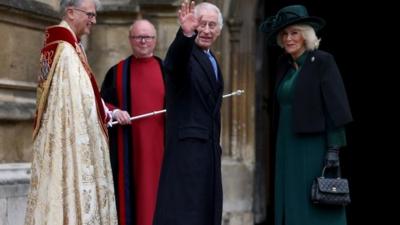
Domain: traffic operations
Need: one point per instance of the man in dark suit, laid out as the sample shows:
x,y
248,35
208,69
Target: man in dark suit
x,y
190,189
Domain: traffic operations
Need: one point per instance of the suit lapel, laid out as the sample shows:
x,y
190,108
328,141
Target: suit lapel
x,y
207,80
205,64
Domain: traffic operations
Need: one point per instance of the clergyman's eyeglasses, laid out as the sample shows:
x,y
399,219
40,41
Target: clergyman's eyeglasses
x,y
142,38
90,15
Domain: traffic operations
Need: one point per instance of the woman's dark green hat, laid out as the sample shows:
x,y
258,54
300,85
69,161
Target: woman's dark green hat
x,y
289,15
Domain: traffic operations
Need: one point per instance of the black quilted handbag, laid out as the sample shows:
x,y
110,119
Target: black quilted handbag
x,y
330,191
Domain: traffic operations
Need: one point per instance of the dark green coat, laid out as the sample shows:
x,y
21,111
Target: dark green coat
x,y
300,155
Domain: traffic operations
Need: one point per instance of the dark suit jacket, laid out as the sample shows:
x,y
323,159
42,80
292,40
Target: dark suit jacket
x,y
319,95
190,189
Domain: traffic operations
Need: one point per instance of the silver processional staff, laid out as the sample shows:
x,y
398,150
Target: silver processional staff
x,y
110,124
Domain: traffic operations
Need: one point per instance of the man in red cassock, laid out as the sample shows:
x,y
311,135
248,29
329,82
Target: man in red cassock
x,y
132,87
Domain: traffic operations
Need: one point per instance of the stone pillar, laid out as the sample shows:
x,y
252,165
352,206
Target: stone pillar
x,y
21,33
237,131
14,186
237,165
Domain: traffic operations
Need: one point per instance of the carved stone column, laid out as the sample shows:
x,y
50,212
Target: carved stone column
x,y
22,26
14,186
237,103
237,169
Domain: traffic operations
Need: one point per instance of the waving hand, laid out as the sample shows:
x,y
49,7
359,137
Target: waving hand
x,y
187,19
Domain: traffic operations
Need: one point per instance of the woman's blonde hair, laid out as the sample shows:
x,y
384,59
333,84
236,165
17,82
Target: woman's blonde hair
x,y
308,33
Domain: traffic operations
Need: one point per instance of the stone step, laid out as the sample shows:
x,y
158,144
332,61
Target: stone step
x,y
14,186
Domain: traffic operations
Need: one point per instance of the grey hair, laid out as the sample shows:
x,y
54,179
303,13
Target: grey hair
x,y
208,6
309,35
64,4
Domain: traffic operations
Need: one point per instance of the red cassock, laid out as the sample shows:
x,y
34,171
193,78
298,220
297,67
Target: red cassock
x,y
136,150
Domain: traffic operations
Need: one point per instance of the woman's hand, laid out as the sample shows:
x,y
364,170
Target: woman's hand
x,y
332,157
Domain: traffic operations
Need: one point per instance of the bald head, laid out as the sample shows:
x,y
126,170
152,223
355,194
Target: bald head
x,y
141,24
142,37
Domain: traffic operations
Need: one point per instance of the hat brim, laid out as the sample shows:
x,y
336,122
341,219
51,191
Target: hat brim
x,y
316,22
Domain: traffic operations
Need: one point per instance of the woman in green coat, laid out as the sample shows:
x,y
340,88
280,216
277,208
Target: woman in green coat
x,y
310,112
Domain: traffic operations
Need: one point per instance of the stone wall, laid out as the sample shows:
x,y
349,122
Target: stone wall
x,y
21,33
14,185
